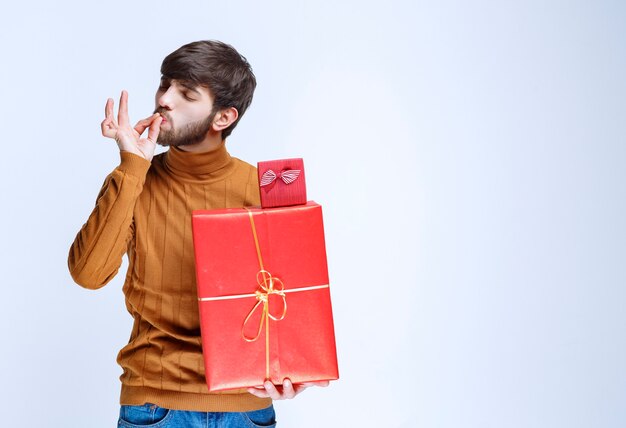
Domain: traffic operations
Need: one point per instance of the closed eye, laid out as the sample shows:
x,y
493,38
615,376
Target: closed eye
x,y
187,97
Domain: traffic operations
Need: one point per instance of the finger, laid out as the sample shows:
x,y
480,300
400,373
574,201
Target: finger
x,y
105,126
122,114
108,109
288,391
300,387
322,383
108,128
271,390
155,128
258,392
144,123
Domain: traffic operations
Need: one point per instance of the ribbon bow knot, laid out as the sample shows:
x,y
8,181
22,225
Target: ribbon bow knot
x,y
268,285
287,175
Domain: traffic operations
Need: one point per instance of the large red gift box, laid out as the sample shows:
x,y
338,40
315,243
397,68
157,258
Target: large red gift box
x,y
245,258
281,182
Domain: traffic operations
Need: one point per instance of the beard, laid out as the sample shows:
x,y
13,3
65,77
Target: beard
x,y
191,133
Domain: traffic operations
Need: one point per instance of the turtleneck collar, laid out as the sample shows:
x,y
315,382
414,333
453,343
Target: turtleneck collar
x,y
211,165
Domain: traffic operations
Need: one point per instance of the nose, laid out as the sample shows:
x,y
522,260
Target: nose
x,y
166,99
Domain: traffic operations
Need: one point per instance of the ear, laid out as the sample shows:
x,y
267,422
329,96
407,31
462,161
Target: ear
x,y
224,118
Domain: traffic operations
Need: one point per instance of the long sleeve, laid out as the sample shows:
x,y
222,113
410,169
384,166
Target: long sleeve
x,y
96,254
145,209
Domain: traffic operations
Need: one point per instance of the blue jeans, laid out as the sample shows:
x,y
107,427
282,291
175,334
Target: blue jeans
x,y
151,415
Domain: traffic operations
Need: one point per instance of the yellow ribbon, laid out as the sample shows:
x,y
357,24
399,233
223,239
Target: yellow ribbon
x,y
268,285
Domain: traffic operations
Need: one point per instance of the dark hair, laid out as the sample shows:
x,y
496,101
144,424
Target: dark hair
x,y
217,66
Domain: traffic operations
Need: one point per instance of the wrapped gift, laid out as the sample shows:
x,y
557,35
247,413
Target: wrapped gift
x,y
282,183
264,297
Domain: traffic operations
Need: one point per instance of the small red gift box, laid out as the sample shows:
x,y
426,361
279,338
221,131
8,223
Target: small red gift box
x,y
281,182
264,299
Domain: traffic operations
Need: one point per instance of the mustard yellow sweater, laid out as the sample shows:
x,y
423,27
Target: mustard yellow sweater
x,y
144,210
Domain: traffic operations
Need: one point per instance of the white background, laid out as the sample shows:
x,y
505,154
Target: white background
x,y
470,158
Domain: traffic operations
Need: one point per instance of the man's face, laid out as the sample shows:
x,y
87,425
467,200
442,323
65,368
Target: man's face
x,y
186,111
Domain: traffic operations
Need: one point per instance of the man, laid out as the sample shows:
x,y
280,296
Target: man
x,y
144,209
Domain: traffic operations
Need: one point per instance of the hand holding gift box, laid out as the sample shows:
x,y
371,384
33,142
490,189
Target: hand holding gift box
x,y
264,297
287,391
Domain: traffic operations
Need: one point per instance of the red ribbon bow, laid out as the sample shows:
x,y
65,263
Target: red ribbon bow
x,y
288,176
